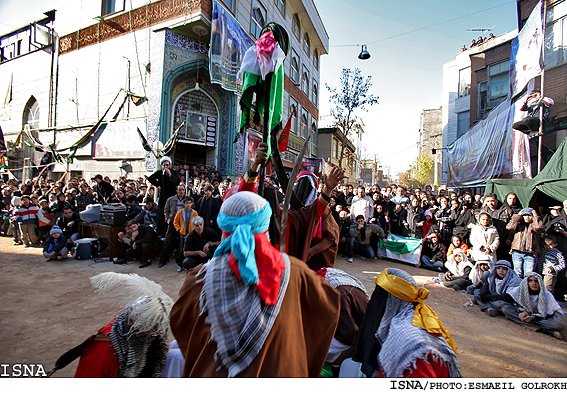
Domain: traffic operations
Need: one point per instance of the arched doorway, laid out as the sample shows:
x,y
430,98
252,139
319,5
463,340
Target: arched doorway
x,y
196,116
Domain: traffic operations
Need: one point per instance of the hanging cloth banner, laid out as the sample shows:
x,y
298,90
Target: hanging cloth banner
x,y
2,141
525,55
229,43
283,139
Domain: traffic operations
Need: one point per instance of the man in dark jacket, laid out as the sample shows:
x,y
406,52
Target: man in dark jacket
x,y
103,189
209,208
145,243
414,219
533,105
433,252
200,244
69,224
167,180
84,198
344,231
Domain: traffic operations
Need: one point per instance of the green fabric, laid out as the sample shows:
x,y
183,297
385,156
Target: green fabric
x,y
253,83
401,247
552,181
327,372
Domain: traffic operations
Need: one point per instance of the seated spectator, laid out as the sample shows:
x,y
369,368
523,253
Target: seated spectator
x,y
26,216
535,308
459,270
45,219
359,241
149,213
484,238
493,294
200,244
133,209
145,243
527,228
55,245
457,243
553,263
432,252
69,224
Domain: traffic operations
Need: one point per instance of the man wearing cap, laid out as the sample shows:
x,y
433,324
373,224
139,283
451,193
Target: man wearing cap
x,y
103,189
253,311
166,180
527,228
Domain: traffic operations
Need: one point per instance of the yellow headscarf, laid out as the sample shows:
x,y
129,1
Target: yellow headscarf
x,y
423,317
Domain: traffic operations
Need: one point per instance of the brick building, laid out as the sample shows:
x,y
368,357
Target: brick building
x,y
431,138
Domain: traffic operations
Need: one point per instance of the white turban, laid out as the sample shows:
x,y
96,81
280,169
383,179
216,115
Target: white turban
x,y
163,159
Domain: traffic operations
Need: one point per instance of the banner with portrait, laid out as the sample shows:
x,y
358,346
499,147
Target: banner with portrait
x,y
229,43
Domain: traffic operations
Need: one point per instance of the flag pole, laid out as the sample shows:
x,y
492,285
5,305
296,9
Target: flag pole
x,y
266,130
542,79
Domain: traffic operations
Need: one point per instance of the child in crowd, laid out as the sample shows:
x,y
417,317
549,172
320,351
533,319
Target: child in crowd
x,y
484,238
55,245
26,217
479,274
16,202
553,262
45,219
536,308
493,294
457,243
527,228
459,269
428,222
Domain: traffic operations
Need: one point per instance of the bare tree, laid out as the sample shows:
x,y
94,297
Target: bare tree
x,y
352,94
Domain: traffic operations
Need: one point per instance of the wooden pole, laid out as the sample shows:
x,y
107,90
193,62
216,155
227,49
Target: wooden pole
x,y
266,130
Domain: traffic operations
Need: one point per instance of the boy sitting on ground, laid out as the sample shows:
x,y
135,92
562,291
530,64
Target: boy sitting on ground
x,y
55,245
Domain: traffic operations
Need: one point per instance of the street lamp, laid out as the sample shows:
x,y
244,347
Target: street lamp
x,y
364,54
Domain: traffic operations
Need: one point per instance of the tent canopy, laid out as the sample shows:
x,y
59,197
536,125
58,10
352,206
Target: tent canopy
x,y
552,181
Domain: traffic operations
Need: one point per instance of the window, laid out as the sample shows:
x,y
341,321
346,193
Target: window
x,y
315,92
258,18
112,6
294,66
281,6
31,114
292,106
305,81
556,35
295,26
303,125
463,122
316,59
228,4
335,149
464,82
306,44
498,77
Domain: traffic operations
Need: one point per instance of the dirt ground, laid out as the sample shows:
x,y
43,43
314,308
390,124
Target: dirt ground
x,y
49,307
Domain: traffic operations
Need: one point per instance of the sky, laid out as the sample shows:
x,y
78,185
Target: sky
x,y
415,38
406,69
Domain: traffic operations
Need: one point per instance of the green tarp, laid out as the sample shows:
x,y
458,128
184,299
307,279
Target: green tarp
x,y
551,181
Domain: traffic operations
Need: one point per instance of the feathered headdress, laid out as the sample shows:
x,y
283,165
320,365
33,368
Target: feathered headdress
x,y
148,303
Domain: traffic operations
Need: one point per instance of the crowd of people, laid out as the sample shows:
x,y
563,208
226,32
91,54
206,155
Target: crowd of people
x,y
509,257
493,249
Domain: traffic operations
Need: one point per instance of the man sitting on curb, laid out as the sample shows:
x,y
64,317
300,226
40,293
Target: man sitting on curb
x,y
145,243
200,244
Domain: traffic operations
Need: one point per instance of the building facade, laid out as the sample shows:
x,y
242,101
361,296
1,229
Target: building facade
x,y
115,67
431,139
